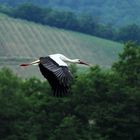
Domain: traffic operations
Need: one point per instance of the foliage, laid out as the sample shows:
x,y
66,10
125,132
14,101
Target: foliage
x,y
129,65
85,23
103,104
117,12
129,33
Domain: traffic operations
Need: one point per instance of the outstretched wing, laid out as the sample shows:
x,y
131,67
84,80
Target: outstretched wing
x,y
57,76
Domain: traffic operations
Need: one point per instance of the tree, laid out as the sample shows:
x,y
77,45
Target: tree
x,y
29,12
87,24
128,65
129,33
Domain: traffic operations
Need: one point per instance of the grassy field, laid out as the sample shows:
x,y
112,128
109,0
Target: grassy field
x,y
23,41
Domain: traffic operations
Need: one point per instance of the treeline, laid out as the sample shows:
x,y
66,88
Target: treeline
x,y
84,23
103,104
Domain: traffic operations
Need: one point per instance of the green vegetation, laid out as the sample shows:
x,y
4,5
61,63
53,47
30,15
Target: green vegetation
x,y
115,12
103,104
23,41
84,23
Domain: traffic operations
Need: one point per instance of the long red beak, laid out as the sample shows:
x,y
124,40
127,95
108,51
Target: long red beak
x,y
81,62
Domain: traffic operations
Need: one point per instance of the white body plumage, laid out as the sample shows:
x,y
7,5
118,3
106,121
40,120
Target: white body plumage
x,y
59,59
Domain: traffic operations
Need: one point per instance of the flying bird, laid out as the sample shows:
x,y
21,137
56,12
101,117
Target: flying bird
x,y
55,69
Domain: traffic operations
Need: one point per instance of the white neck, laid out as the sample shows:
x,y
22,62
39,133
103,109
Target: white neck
x,y
62,60
65,59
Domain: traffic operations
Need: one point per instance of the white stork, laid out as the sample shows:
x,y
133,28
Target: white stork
x,y
55,69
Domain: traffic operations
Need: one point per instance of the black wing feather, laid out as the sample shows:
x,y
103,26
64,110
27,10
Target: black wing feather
x,y
57,76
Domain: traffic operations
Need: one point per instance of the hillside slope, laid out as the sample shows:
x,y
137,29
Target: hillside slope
x,y
116,12
23,41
